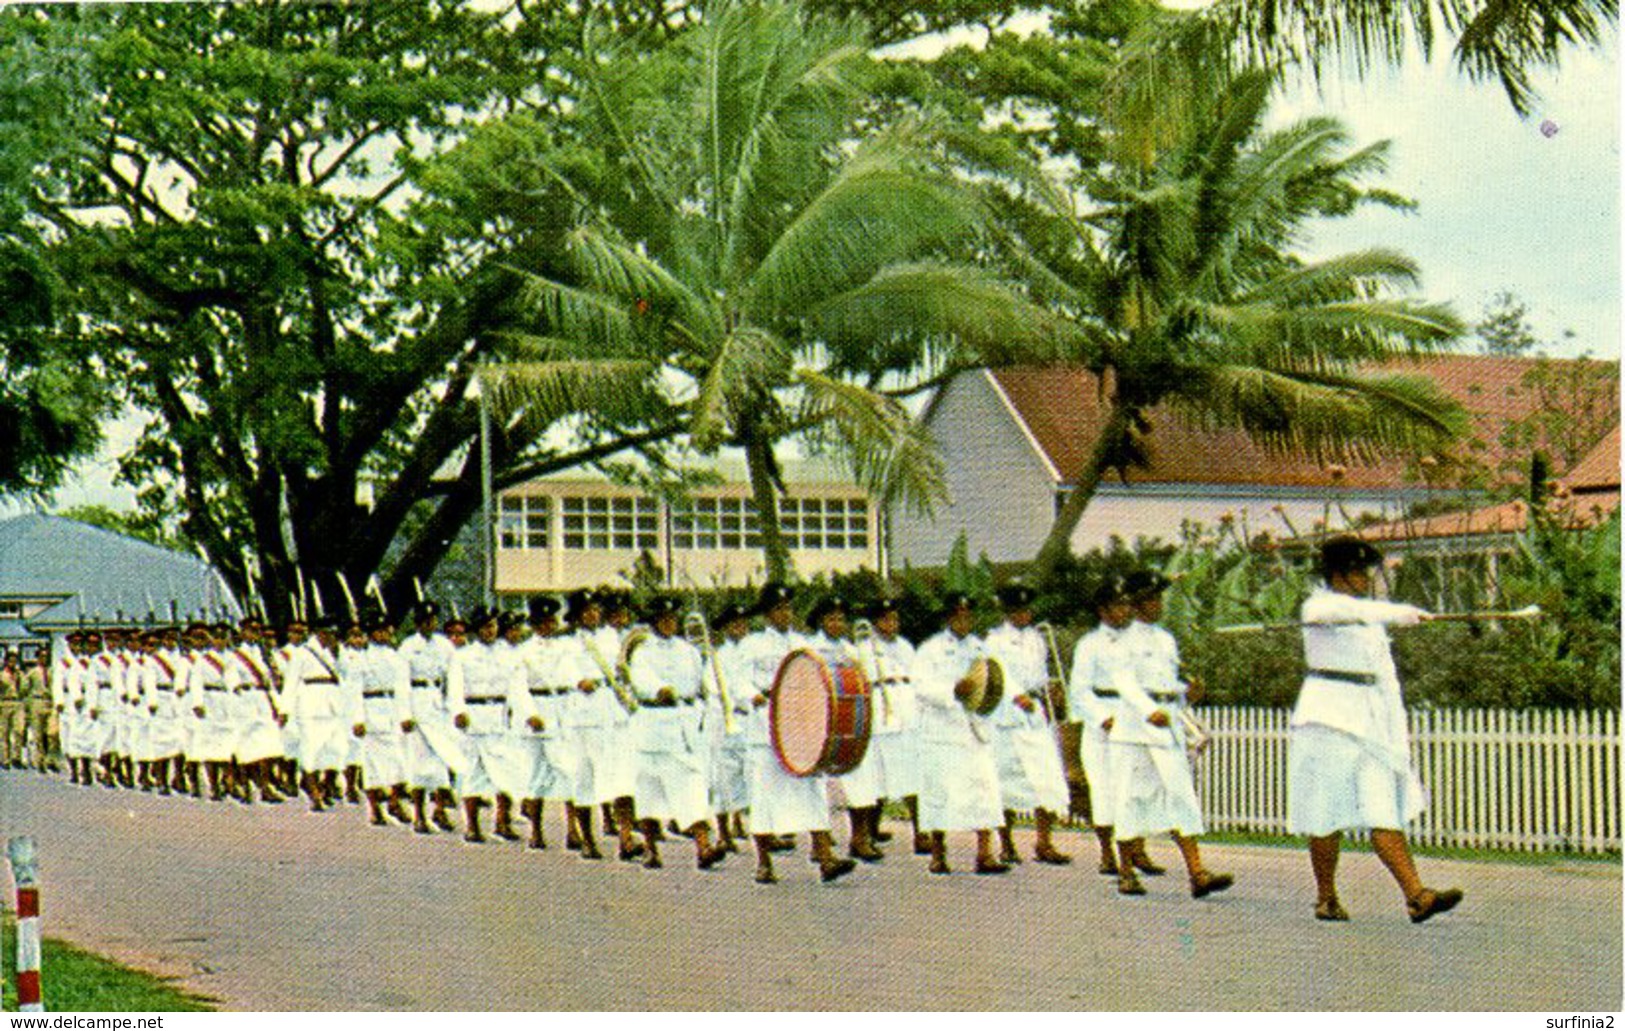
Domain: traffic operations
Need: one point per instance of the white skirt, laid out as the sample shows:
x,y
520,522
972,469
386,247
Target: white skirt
x,y
606,769
1337,783
960,786
672,785
1030,774
1152,792
781,803
730,774
1092,750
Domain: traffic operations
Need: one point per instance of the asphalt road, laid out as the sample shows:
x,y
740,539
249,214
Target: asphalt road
x,y
274,908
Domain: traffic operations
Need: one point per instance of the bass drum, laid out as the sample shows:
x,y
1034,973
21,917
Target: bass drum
x,y
819,715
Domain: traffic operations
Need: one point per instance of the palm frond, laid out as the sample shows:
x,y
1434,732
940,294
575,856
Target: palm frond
x,y
1344,277
969,312
570,312
748,362
1306,335
622,271
531,397
876,212
1325,415
890,453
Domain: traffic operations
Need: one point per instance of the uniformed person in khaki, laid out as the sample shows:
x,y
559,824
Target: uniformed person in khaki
x,y
11,712
37,715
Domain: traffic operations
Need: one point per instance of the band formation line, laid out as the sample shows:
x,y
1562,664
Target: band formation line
x,y
662,729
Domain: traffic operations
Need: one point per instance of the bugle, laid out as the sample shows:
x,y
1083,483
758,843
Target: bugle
x,y
863,636
612,678
1054,699
698,632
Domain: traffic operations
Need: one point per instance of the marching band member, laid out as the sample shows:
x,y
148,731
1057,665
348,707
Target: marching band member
x,y
431,747
69,696
599,722
213,738
1101,664
779,802
959,769
893,759
1348,754
861,786
101,705
730,750
1030,774
672,772
1154,789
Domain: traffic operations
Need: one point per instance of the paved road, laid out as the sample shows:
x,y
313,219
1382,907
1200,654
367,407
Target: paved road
x,y
273,908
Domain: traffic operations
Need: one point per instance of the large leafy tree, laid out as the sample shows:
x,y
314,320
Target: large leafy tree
x,y
1183,260
50,397
253,264
738,240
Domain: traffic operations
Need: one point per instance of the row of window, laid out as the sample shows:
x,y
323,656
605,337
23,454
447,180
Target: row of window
x,y
705,524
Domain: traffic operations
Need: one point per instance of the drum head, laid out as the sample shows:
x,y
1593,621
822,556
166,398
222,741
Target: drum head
x,y
800,712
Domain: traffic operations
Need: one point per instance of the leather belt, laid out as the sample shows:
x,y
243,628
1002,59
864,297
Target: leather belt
x,y
1106,694
321,680
426,683
170,688
377,694
1347,677
486,701
1166,697
212,687
544,692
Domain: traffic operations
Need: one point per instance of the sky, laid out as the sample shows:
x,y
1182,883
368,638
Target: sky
x,y
1526,205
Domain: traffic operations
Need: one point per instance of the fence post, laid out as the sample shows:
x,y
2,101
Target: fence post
x,y
24,871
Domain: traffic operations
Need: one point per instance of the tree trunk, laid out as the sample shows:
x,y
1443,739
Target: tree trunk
x,y
1059,542
759,459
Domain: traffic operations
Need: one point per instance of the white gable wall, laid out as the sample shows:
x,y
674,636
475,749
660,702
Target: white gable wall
x,y
1000,487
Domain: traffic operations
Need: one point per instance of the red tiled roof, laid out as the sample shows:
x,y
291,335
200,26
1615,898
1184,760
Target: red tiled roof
x,y
1576,511
1064,410
1598,470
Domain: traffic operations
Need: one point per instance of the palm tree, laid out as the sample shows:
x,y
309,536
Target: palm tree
x,y
740,246
1185,275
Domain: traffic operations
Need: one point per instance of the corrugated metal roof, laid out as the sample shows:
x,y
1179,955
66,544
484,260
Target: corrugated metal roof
x,y
100,573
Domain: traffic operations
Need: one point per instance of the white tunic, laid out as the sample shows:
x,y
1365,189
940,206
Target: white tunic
x,y
673,768
386,701
214,727
894,747
324,707
549,671
1030,772
1348,758
482,682
959,769
254,695
431,749
1152,786
730,752
164,677
605,768
1101,665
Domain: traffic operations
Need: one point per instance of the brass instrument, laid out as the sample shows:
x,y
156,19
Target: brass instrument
x,y
863,635
698,633
621,682
623,693
1055,694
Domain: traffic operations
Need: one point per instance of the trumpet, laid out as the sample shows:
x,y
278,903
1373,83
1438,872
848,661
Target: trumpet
x,y
863,636
1055,697
612,676
698,633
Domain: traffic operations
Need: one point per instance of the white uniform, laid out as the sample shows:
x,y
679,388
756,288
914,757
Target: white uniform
x,y
214,733
281,661
1152,786
549,671
67,694
893,761
597,721
779,803
1030,773
673,768
959,787
133,740
1348,756
432,748
730,753
99,731
248,676
164,677
324,707
481,683
861,786
386,703
1101,665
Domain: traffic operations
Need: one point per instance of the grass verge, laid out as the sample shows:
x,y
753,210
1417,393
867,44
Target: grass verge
x,y
73,980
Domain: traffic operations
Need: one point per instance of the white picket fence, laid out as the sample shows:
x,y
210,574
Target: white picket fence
x,y
1516,780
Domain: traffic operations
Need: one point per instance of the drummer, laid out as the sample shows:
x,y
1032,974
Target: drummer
x,y
781,803
827,618
1030,774
959,787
